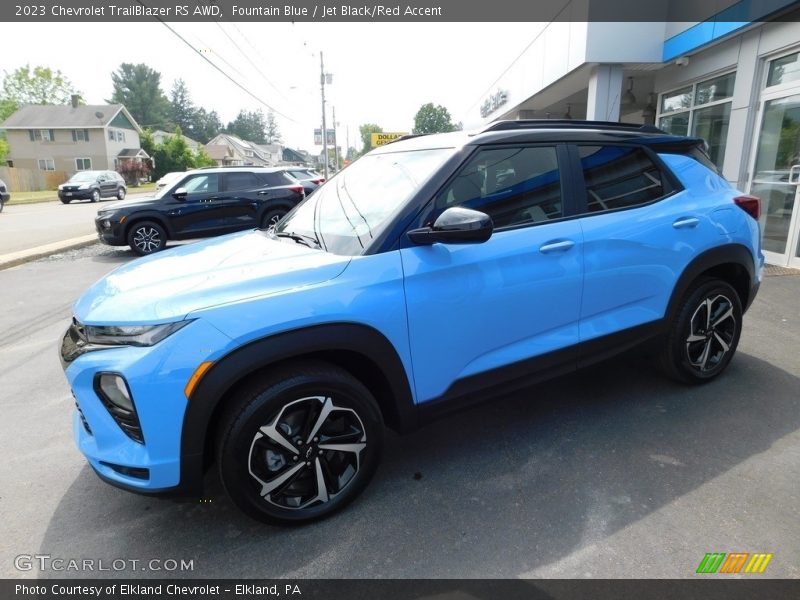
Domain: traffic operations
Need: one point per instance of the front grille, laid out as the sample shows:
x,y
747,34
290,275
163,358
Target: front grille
x,y
83,418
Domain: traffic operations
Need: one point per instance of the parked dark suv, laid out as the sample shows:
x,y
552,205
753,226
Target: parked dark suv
x,y
202,203
92,185
5,196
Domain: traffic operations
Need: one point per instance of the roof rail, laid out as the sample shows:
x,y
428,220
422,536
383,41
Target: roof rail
x,y
569,124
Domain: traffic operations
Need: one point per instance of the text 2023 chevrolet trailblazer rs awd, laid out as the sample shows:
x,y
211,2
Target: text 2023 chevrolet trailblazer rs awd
x,y
433,272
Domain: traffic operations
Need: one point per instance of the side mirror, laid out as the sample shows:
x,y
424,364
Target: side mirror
x,y
180,193
455,226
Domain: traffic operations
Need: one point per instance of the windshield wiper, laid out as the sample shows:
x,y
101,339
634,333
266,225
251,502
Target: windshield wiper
x,y
306,240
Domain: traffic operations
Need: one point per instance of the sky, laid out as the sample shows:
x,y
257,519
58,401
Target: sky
x,y
382,72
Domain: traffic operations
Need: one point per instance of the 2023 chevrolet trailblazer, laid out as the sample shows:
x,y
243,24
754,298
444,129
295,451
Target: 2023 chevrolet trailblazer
x,y
432,272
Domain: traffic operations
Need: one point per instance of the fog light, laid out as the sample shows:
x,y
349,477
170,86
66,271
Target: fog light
x,y
116,391
106,224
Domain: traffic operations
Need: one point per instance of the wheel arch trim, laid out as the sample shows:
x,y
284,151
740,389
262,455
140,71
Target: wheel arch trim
x,y
399,411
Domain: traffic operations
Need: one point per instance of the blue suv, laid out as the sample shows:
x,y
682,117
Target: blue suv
x,y
431,273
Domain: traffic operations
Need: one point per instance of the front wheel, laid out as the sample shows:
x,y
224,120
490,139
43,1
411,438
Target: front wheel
x,y
147,237
96,196
704,333
121,194
299,443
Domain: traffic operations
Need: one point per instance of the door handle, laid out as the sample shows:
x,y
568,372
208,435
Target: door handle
x,y
556,246
794,174
686,223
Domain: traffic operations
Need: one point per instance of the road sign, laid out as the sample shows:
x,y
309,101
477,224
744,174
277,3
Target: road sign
x,y
380,139
318,137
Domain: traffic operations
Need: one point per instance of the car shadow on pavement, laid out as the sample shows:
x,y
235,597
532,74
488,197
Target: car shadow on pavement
x,y
496,491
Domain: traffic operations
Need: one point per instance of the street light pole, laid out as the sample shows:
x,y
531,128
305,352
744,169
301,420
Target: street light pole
x,y
335,141
324,126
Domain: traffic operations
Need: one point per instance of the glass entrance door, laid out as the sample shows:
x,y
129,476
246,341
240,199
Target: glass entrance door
x,y
776,175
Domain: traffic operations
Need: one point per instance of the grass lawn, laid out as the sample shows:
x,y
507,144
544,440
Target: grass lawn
x,y
52,196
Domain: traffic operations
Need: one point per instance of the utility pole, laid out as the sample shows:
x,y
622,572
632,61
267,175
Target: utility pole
x,y
335,141
324,126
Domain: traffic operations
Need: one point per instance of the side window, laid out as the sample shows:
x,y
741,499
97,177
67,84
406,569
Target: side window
x,y
514,186
241,181
619,177
202,184
273,179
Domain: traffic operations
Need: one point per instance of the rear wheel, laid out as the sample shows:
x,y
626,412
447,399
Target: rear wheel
x,y
147,237
299,443
272,217
704,333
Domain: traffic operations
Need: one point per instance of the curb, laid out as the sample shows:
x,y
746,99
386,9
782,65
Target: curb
x,y
14,259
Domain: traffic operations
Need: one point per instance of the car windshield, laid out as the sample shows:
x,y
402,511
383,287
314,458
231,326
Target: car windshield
x,y
347,213
84,176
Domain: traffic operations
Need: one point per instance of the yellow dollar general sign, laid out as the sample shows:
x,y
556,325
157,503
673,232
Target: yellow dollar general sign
x,y
380,139
716,562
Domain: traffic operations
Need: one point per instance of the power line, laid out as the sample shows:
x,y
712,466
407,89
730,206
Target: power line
x,y
231,79
255,66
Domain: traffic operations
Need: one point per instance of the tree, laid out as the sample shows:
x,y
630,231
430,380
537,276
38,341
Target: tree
x,y
40,85
250,126
272,134
366,132
183,114
433,119
351,154
4,149
138,87
174,154
206,125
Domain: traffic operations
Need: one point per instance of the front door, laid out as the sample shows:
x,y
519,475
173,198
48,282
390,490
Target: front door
x,y
481,314
776,168
201,211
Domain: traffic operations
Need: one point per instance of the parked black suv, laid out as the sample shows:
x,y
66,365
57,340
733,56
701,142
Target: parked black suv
x,y
202,203
4,195
92,185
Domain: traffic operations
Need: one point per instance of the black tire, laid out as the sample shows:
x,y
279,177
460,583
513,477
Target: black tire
x,y
2,204
272,217
275,484
95,196
121,193
694,351
146,237
65,201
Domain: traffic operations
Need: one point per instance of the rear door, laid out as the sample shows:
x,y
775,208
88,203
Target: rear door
x,y
483,314
245,194
640,231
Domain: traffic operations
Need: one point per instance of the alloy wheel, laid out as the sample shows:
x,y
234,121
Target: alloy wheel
x,y
147,239
308,454
712,330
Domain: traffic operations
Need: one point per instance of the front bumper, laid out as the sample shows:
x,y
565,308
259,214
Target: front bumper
x,y
156,376
114,235
75,195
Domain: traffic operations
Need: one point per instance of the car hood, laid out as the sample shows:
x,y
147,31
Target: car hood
x,y
139,201
169,285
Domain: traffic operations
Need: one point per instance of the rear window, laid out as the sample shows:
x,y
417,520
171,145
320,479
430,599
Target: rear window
x,y
619,177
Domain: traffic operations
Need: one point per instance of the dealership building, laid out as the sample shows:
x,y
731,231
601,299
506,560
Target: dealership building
x,y
732,79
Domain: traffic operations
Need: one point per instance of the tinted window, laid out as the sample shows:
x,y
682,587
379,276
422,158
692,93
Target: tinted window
x,y
201,184
273,179
241,181
514,186
619,176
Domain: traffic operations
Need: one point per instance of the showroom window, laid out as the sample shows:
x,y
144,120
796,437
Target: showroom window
x,y
784,70
703,110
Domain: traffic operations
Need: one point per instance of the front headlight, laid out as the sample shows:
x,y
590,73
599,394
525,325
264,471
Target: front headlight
x,y
61,187
135,335
85,186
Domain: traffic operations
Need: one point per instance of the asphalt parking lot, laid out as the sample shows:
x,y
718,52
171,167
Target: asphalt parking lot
x,y
614,472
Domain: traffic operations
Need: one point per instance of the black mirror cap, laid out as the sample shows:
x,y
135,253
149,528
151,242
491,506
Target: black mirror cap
x,y
456,225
